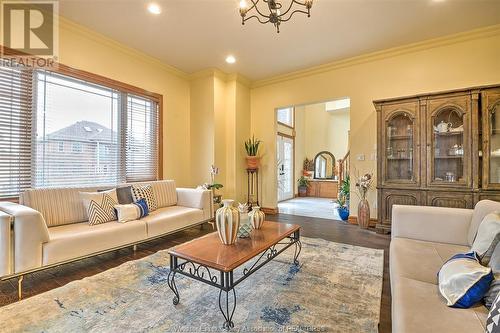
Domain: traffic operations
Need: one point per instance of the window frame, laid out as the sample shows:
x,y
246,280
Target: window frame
x,y
110,83
293,117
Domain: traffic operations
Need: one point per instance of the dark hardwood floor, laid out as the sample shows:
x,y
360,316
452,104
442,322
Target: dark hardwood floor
x,y
335,231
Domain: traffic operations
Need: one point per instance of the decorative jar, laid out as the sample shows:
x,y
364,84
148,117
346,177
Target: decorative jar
x,y
227,219
257,217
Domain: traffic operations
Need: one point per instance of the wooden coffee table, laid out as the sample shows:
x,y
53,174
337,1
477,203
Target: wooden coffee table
x,y
207,260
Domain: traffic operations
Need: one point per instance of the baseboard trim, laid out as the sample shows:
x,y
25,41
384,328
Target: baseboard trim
x,y
270,211
354,220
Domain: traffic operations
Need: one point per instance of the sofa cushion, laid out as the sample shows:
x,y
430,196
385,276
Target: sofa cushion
x,y
80,239
420,260
58,206
418,307
168,219
165,192
482,208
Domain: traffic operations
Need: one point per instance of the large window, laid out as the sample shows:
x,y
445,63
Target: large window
x,y
71,132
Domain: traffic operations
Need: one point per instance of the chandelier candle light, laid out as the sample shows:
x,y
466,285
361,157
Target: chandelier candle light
x,y
277,14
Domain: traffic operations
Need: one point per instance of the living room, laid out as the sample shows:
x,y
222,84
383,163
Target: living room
x,y
138,183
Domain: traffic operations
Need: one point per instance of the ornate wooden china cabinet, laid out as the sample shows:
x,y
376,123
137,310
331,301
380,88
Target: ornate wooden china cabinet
x,y
438,149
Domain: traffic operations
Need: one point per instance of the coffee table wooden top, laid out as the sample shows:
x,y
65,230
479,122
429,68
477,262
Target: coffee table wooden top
x,y
209,251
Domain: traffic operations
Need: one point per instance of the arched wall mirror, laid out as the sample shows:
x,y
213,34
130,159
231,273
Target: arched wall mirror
x,y
324,165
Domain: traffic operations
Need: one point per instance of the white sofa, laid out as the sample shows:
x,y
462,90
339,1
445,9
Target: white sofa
x,y
423,238
49,226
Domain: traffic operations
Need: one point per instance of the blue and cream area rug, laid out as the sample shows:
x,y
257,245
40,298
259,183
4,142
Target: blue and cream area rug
x,y
336,288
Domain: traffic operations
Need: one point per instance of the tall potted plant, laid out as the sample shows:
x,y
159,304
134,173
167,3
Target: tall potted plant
x,y
343,199
252,148
303,184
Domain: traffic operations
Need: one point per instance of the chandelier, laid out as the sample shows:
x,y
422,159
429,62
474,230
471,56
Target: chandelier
x,y
277,14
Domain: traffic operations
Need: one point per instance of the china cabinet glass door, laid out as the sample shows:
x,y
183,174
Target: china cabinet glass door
x,y
399,148
448,147
494,145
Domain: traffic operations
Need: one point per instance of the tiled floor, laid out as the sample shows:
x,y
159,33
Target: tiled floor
x,y
311,207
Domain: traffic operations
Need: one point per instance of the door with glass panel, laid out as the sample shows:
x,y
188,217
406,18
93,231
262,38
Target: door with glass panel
x,y
491,138
401,144
449,142
285,172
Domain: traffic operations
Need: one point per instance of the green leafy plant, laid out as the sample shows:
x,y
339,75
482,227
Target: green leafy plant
x,y
345,188
303,182
344,192
215,186
252,146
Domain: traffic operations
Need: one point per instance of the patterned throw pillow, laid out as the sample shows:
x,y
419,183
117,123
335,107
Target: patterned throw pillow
x,y
133,211
100,206
463,281
492,322
145,192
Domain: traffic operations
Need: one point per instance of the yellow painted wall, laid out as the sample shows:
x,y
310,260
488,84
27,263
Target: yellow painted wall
x,y
202,129
84,49
324,131
441,65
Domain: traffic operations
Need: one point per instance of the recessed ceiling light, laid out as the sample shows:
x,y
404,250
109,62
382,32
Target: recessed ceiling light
x,y
154,8
230,59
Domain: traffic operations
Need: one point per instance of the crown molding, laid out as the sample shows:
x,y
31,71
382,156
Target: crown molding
x,y
214,72
66,24
378,55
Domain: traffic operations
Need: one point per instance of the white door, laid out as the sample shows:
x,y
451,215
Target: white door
x,y
285,168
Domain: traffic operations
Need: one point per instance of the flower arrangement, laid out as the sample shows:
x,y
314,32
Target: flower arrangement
x,y
364,184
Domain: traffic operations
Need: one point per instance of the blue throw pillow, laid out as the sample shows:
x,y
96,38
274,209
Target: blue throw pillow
x,y
463,281
143,207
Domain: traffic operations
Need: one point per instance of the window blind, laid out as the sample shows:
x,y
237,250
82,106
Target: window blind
x,y
56,130
141,139
15,130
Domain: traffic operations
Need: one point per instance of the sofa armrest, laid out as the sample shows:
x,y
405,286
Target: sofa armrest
x,y
5,244
200,199
434,224
30,232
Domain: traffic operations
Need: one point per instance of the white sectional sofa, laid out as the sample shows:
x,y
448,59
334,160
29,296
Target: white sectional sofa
x,y
48,227
423,238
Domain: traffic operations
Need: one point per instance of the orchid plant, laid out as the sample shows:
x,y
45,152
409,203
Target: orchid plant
x,y
364,184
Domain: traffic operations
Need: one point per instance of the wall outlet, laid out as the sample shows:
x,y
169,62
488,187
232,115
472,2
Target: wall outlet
x,y
360,157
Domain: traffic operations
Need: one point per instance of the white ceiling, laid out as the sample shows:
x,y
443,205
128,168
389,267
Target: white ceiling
x,y
197,34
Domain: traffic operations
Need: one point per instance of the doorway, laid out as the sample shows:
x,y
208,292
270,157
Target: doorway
x,y
312,144
285,157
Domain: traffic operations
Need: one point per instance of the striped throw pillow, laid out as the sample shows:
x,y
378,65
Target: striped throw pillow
x,y
100,206
132,212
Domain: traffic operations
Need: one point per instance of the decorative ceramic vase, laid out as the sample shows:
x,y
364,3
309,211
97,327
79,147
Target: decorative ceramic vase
x,y
343,213
227,219
364,214
245,226
257,217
